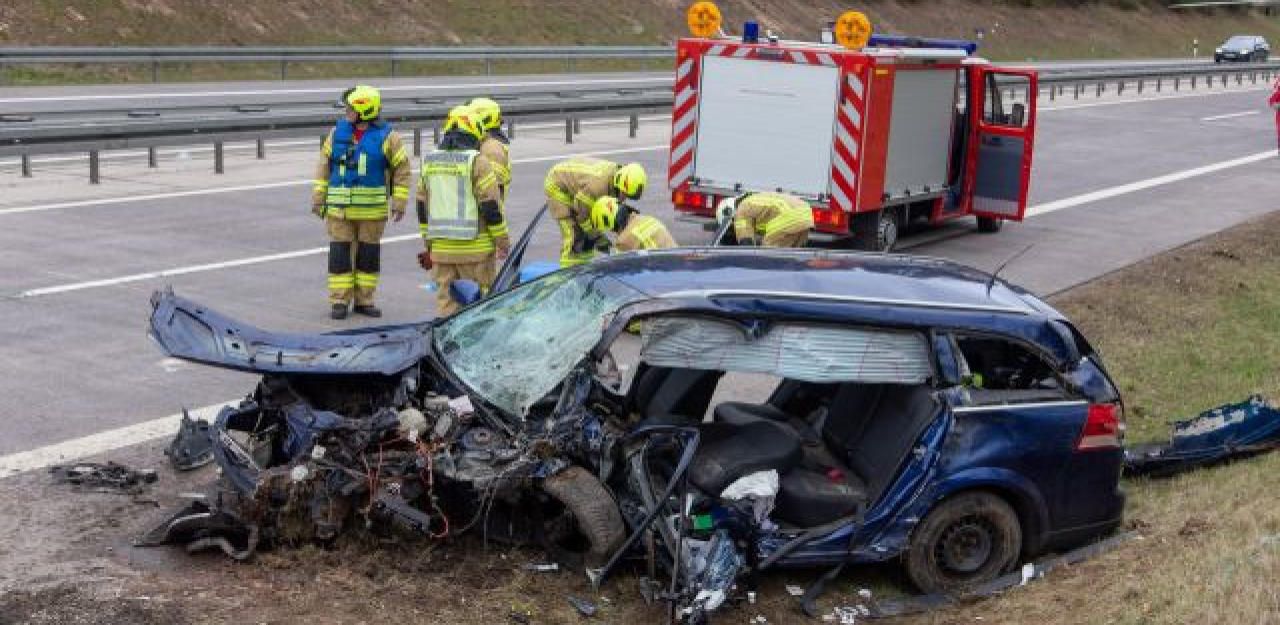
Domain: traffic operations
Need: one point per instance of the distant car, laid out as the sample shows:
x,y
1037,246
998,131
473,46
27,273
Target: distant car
x,y
1245,48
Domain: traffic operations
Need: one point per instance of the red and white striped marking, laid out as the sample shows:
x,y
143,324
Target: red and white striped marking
x,y
684,117
844,157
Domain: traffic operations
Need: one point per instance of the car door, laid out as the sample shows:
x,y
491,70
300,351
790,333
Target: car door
x,y
1003,137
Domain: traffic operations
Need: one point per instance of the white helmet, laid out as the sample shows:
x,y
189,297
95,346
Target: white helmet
x,y
725,209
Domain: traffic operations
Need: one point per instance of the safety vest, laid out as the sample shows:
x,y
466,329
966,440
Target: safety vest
x,y
453,213
358,171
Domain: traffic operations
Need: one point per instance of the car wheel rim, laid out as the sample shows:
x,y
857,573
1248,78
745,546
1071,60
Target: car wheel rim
x,y
888,233
965,547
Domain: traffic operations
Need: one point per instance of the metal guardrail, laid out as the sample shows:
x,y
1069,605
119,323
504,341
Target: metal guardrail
x,y
393,56
27,135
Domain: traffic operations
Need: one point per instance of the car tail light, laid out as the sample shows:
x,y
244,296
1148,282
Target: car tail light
x,y
690,200
830,220
1103,429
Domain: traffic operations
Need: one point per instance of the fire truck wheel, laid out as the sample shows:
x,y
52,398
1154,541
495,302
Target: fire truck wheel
x,y
990,224
876,232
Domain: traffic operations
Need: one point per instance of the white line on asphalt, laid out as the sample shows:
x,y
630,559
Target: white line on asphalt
x,y
1141,185
273,185
1228,116
93,444
1140,100
333,90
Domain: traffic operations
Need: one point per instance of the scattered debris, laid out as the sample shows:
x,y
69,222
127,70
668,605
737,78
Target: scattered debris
x,y
925,603
1195,526
584,607
192,448
200,527
795,591
109,477
1224,433
542,567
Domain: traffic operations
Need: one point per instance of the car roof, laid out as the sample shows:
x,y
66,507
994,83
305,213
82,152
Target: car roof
x,y
842,287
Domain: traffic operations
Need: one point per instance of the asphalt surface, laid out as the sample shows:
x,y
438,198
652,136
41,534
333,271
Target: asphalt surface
x,y
74,302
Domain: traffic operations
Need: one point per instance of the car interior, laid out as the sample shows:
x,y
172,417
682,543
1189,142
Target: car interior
x,y
998,371
836,445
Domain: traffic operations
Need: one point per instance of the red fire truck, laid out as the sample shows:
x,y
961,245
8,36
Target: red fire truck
x,y
875,133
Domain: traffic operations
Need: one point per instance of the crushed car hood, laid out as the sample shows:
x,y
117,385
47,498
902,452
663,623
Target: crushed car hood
x,y
190,331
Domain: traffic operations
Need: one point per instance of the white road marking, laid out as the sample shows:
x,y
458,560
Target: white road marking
x,y
273,185
1228,116
1141,185
1181,96
332,90
102,442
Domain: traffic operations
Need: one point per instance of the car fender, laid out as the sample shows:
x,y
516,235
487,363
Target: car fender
x,y
1020,492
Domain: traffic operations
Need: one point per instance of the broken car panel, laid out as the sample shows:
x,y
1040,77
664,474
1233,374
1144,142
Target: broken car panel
x,y
920,410
1223,433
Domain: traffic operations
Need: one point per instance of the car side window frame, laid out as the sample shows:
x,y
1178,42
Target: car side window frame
x,y
1066,392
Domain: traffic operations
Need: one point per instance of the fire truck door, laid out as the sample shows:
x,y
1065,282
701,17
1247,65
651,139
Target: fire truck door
x,y
1005,133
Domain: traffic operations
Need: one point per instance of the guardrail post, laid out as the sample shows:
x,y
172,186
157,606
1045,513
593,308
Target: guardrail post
x,y
634,125
1193,82
417,141
26,165
511,129
217,157
1077,91
1159,84
488,66
577,126
152,160
1120,87
155,71
262,149
435,135
93,167
284,69
1101,88
393,68
1141,84
568,130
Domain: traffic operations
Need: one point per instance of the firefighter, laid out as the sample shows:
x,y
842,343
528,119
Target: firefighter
x,y
460,210
495,145
634,231
1275,104
363,167
572,188
768,219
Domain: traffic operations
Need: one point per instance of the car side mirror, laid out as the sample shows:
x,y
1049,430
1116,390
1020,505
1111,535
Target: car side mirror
x,y
465,292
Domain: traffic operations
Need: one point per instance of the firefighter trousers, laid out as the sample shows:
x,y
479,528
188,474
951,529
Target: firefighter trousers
x,y
355,259
575,247
786,239
481,272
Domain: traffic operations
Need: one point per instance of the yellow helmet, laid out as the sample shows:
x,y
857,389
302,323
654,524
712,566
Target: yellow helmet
x,y
629,181
365,101
489,111
604,214
465,119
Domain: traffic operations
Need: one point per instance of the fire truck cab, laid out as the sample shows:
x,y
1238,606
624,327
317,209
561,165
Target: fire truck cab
x,y
874,137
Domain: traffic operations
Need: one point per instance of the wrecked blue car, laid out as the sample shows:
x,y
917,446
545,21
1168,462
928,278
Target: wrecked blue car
x,y
705,414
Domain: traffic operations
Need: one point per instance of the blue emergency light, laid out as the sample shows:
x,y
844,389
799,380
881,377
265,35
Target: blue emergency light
x,y
902,41
750,32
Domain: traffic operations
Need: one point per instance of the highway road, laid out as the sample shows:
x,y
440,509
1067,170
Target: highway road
x,y
1115,180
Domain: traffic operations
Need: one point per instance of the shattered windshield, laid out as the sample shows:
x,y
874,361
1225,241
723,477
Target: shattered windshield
x,y
516,347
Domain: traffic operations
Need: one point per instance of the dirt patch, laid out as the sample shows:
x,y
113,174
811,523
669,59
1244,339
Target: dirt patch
x,y
65,605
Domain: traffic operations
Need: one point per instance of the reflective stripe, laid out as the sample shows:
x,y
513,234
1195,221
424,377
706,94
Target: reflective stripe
x,y
341,280
645,230
357,196
366,279
556,193
400,193
452,210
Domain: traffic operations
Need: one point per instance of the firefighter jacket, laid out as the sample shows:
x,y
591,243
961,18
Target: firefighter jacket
x,y
356,179
760,215
460,207
495,147
573,185
644,232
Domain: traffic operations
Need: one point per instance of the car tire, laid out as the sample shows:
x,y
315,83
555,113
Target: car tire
x,y
876,231
990,224
588,528
966,540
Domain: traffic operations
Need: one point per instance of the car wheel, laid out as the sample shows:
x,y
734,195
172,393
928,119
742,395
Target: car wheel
x,y
876,231
966,540
990,224
587,528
